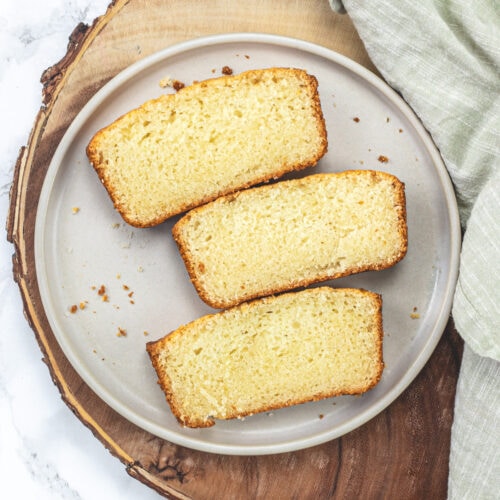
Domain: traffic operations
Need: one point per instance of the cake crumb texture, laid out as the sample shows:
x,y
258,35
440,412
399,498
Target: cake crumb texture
x,y
271,353
210,138
293,233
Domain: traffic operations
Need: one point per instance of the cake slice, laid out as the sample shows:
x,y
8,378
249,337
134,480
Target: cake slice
x,y
211,138
293,233
271,353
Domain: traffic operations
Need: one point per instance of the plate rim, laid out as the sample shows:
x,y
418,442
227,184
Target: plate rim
x,y
450,201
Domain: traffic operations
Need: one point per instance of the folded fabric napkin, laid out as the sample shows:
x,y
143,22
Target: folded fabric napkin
x,y
443,57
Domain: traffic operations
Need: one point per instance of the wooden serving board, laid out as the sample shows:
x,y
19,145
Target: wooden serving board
x,y
401,453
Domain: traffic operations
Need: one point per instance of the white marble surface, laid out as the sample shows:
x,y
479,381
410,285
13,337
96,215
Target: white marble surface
x,y
45,452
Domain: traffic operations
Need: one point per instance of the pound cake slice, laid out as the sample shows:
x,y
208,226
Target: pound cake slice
x,y
293,233
271,353
211,138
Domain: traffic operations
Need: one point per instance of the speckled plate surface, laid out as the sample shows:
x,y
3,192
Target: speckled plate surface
x,y
108,288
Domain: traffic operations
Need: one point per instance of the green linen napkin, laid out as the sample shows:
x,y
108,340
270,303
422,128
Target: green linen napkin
x,y
443,57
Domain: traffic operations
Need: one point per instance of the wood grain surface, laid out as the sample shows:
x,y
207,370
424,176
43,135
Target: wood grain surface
x,y
401,453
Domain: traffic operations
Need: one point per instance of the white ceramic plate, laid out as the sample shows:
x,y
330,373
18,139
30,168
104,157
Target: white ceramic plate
x,y
77,251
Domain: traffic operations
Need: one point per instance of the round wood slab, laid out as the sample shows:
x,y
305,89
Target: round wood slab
x,y
401,453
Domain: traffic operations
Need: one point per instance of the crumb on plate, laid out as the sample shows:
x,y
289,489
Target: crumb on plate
x,y
121,332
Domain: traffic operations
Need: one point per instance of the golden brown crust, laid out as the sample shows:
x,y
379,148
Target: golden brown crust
x,y
191,264
156,348
136,220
